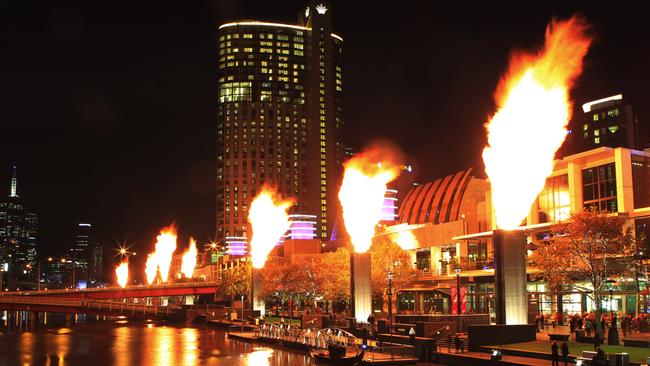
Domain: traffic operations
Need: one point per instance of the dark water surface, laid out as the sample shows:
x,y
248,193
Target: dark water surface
x,y
127,343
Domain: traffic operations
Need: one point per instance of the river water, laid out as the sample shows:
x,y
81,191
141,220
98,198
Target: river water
x,y
120,342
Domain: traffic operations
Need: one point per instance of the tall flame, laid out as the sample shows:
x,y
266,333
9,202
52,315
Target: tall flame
x,y
161,258
151,268
189,260
122,274
269,221
362,195
530,124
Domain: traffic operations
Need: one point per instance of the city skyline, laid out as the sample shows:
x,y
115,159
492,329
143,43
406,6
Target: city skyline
x,y
143,156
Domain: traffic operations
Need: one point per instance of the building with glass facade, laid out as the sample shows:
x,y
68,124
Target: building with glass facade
x,y
279,118
606,122
450,209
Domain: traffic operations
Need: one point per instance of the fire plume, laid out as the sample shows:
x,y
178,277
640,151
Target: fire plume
x,y
362,195
151,268
269,222
189,260
533,110
160,260
122,274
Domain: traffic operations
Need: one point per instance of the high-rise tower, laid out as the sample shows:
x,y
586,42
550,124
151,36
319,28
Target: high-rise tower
x,y
280,117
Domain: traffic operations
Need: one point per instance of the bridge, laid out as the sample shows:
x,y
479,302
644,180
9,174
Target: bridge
x,y
64,305
139,291
105,300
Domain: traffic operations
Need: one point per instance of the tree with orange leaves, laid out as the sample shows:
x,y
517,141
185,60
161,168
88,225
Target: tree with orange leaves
x,y
584,252
386,256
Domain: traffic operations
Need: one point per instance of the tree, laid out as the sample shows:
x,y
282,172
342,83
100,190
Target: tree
x,y
334,270
387,256
591,247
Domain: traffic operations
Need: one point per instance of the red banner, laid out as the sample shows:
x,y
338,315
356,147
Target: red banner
x,y
454,300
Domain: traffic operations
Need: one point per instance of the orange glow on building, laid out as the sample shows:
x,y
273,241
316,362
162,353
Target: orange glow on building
x,y
269,222
362,194
533,110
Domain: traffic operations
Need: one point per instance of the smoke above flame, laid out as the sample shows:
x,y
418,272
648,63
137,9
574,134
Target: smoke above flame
x,y
189,260
122,273
269,222
160,260
362,194
533,110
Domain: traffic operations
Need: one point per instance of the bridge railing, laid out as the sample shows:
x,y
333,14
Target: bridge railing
x,y
85,303
111,288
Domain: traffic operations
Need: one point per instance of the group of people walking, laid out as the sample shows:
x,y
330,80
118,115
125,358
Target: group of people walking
x,y
587,322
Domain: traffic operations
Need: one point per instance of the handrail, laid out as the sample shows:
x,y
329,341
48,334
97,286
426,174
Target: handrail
x,y
85,303
112,288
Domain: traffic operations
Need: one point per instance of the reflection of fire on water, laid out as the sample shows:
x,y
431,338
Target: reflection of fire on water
x,y
259,357
530,124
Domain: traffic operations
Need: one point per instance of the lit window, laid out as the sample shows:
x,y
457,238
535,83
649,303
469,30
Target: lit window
x,y
596,132
596,117
596,140
613,129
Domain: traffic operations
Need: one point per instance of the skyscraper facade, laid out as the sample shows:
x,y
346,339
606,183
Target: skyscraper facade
x,y
80,252
279,117
607,122
18,235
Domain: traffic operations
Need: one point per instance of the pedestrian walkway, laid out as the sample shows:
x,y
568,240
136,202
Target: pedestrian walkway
x,y
480,358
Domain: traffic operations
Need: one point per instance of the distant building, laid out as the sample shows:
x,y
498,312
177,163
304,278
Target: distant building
x,y
279,111
18,237
606,122
80,252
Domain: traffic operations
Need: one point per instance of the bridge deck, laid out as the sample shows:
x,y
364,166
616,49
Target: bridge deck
x,y
140,291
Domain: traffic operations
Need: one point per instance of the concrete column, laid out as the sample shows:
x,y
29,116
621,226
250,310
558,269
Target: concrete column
x,y
436,256
575,187
258,301
510,277
624,187
360,285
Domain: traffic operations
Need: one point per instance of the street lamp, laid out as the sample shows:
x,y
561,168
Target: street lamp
x,y
458,300
38,278
390,275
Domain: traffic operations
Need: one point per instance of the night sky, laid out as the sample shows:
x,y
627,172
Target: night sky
x,y
109,108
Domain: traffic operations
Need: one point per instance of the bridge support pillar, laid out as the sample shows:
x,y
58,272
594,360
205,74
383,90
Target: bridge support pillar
x,y
68,319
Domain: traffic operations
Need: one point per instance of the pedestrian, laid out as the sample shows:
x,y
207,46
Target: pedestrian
x,y
565,352
597,341
572,325
555,356
541,320
371,319
624,325
603,323
457,343
588,325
